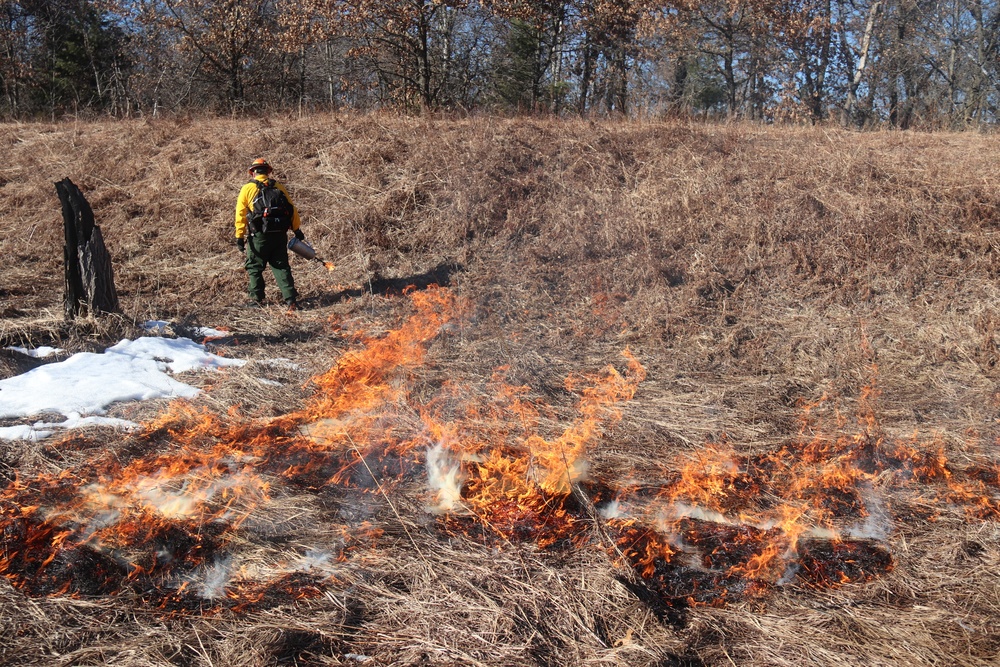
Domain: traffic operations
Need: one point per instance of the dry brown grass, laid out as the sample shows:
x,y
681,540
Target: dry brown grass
x,y
751,270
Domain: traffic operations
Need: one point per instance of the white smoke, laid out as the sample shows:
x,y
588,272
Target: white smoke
x,y
183,498
445,478
677,511
878,524
210,582
613,510
316,560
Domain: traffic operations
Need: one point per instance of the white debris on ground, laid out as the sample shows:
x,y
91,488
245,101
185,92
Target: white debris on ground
x,y
281,362
156,326
161,327
209,332
86,383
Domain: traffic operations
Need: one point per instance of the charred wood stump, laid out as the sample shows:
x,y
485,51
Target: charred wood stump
x,y
90,283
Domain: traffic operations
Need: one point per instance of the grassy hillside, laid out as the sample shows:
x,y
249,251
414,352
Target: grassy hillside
x,y
819,294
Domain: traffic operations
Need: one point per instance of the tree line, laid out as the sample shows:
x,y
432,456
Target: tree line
x,y
901,63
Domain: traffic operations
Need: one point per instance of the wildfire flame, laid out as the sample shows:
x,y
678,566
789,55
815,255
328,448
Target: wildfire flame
x,y
499,466
162,520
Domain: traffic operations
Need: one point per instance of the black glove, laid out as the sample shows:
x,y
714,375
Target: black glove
x,y
299,235
241,243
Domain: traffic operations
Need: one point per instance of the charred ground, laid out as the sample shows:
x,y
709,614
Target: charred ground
x,y
751,271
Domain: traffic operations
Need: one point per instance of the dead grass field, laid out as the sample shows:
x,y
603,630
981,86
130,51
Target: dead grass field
x,y
752,271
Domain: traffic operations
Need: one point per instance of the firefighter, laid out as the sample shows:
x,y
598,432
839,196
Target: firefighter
x,y
264,215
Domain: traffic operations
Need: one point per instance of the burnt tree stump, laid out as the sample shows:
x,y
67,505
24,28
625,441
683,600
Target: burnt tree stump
x,y
90,283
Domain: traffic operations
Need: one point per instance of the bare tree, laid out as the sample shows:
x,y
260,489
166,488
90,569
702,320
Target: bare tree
x,y
856,52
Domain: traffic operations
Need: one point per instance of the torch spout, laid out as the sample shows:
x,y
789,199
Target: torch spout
x,y
303,249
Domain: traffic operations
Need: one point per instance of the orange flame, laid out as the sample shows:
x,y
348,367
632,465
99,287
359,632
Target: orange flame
x,y
216,475
559,463
725,524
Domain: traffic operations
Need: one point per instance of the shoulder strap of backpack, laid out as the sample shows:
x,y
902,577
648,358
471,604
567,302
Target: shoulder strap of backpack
x,y
269,183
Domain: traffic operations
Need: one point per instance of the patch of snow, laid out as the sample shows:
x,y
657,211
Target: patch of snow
x,y
41,430
76,421
87,383
173,354
38,352
23,432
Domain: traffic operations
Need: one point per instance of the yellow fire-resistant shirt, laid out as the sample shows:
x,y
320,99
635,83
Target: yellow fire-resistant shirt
x,y
245,200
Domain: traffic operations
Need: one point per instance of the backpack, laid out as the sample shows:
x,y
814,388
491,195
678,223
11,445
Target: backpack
x,y
270,210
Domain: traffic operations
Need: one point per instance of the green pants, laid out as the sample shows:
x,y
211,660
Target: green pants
x,y
264,249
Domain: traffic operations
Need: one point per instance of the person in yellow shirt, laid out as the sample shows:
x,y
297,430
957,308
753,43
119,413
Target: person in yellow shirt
x,y
264,215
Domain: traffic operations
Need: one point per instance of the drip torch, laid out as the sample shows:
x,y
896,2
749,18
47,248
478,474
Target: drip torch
x,y
303,249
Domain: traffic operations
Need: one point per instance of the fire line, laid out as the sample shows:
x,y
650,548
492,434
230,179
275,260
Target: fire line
x,y
721,527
